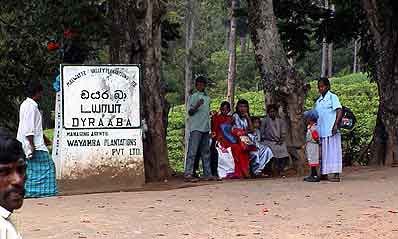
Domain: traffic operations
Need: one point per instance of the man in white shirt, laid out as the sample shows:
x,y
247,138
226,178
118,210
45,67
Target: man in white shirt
x,y
30,129
41,180
12,179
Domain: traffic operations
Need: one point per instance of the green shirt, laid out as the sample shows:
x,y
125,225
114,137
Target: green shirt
x,y
200,120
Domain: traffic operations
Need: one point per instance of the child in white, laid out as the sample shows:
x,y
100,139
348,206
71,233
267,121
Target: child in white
x,y
312,145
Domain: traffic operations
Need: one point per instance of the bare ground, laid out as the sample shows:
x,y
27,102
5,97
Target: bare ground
x,y
363,205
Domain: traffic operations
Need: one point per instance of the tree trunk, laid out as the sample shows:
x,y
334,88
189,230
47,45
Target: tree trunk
x,y
282,84
330,54
232,55
382,21
354,67
136,39
357,63
189,38
324,58
330,60
377,149
325,65
243,44
227,33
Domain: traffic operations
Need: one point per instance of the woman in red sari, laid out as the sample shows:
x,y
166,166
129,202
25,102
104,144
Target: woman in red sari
x,y
242,125
222,164
221,127
220,119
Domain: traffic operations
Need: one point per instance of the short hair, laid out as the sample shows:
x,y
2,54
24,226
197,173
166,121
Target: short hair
x,y
225,103
33,87
10,148
325,81
201,79
272,107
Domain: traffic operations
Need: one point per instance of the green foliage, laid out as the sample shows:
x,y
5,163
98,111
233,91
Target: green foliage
x,y
49,133
247,77
355,91
301,25
209,37
298,23
349,21
25,29
310,64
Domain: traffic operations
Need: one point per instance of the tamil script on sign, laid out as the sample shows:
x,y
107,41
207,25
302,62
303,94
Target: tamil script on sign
x,y
98,123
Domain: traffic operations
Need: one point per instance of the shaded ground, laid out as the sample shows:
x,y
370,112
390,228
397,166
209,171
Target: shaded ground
x,y
364,205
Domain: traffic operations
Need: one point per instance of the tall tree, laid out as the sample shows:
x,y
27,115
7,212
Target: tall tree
x,y
282,84
382,18
243,43
242,31
136,39
327,50
232,54
355,67
330,60
190,17
324,65
330,52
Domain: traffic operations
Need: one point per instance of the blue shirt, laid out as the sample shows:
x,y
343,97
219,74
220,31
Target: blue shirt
x,y
200,120
327,106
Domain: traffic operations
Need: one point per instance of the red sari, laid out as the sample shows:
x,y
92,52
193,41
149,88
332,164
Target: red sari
x,y
242,160
216,122
241,157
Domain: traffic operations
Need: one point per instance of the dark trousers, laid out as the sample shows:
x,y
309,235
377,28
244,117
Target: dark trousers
x,y
198,147
213,160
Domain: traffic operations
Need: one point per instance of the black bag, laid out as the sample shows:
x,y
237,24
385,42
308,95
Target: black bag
x,y
348,120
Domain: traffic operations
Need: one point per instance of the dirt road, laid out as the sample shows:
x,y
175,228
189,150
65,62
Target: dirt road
x,y
363,205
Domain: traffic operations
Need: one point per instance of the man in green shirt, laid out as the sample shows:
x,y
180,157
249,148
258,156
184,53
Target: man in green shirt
x,y
198,111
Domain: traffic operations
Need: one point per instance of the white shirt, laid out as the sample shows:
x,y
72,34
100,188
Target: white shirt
x,y
30,124
7,229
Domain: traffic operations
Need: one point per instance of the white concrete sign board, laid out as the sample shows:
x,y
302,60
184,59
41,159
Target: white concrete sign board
x,y
57,132
101,127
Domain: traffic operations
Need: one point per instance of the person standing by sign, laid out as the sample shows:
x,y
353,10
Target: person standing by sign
x,y
330,113
199,111
40,167
12,178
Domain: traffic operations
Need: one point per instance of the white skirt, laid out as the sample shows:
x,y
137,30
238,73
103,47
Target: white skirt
x,y
332,159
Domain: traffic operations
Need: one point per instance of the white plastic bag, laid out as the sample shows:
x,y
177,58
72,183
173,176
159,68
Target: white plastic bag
x,y
226,164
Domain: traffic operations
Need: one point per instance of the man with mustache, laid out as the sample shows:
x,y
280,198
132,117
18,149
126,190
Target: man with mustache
x,y
12,179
